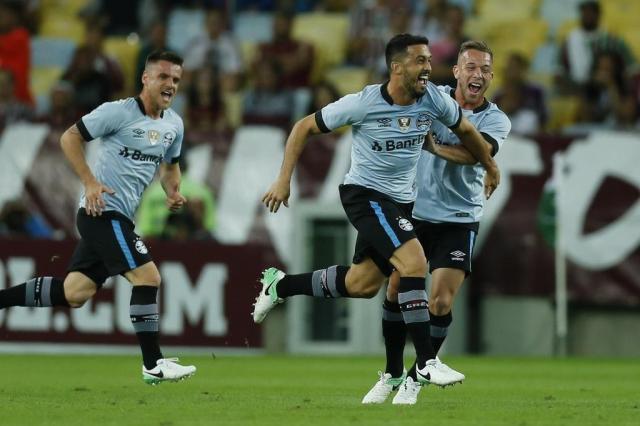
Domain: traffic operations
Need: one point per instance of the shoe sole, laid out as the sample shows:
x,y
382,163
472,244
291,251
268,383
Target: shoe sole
x,y
153,381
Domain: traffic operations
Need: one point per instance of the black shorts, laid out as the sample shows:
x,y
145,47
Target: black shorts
x,y
108,246
383,224
447,245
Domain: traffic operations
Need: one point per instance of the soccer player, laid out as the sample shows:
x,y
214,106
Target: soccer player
x,y
389,124
138,136
446,216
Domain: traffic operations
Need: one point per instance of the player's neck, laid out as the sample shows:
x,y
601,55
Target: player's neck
x,y
150,109
463,102
398,94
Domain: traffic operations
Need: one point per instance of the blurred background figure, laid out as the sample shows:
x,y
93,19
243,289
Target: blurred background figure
x,y
94,75
445,48
582,44
15,49
430,22
294,58
156,39
217,49
269,101
16,220
522,100
12,110
205,110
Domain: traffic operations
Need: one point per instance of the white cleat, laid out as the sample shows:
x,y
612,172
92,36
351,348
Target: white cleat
x,y
167,370
407,392
268,297
382,389
438,373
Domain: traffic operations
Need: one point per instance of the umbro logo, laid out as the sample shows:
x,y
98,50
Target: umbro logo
x,y
457,255
384,122
138,133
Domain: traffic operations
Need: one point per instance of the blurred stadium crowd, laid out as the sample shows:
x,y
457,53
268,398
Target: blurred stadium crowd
x,y
561,66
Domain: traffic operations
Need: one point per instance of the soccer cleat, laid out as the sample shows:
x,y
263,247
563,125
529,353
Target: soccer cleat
x,y
383,387
407,392
167,369
438,373
268,297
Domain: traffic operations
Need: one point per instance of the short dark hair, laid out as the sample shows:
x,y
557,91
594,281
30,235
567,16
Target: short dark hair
x,y
164,55
476,45
592,4
398,45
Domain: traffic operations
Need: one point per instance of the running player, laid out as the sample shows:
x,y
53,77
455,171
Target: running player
x,y
446,215
138,136
389,124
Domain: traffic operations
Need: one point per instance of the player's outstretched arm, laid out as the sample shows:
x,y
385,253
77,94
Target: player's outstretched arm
x,y
170,177
457,154
481,151
72,144
279,191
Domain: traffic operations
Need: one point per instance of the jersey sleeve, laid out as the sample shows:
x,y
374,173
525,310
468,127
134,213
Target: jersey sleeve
x,y
349,109
173,153
108,118
494,129
446,108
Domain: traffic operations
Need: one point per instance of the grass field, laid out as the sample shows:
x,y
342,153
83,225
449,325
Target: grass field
x,y
261,390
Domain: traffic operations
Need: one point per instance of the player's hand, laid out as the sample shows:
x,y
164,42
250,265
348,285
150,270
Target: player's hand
x,y
276,195
94,202
491,181
175,201
430,143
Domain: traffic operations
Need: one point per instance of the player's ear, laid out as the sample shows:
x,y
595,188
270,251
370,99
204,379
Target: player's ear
x,y
456,71
395,67
144,77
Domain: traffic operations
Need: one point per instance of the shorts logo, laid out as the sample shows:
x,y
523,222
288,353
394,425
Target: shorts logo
x,y
423,122
154,136
404,123
458,255
405,225
142,249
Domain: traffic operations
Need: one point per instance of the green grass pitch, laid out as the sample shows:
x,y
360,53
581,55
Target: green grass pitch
x,y
299,390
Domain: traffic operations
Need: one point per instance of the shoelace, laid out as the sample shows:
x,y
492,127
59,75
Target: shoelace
x,y
379,386
171,360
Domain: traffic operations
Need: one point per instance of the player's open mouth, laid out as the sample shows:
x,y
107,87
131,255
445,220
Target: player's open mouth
x,y
423,79
475,88
166,95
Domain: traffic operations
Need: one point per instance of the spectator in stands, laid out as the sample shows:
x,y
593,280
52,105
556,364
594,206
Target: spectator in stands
x,y
118,17
17,221
12,109
15,51
521,100
156,40
62,112
152,216
216,49
96,77
607,100
205,110
294,58
322,94
445,50
268,102
583,44
430,22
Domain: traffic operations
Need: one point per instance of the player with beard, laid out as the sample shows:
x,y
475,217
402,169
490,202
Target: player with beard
x,y
138,136
389,122
446,216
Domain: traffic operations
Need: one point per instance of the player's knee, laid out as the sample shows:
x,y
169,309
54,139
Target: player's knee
x,y
77,299
367,291
441,304
362,287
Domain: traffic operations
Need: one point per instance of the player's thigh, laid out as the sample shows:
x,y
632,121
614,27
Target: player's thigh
x,y
445,283
78,288
364,279
409,259
146,274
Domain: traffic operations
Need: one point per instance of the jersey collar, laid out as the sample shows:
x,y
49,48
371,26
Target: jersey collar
x,y
476,110
141,106
385,92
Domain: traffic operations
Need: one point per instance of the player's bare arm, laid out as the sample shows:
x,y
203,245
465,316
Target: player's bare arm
x,y
279,191
72,144
478,147
453,153
170,176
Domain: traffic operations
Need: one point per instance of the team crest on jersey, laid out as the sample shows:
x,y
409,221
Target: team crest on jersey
x,y
405,225
142,249
168,139
423,122
154,136
404,123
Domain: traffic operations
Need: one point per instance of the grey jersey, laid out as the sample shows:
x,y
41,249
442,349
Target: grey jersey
x,y
449,192
133,145
387,138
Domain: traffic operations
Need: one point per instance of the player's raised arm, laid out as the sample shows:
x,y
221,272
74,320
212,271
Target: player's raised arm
x,y
72,143
279,191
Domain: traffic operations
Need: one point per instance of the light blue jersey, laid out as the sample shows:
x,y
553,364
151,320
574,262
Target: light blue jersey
x,y
449,192
387,138
132,147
